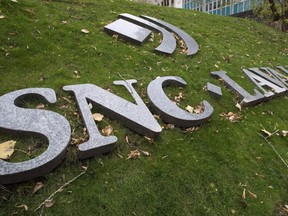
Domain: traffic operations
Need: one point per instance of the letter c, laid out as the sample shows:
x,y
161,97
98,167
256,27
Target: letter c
x,y
169,111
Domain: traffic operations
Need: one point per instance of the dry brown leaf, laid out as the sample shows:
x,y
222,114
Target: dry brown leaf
x,y
85,31
49,203
156,116
66,99
133,154
170,126
42,78
178,97
115,36
97,117
232,117
30,11
199,109
23,206
76,74
107,131
40,106
77,140
7,149
253,195
229,114
37,187
191,129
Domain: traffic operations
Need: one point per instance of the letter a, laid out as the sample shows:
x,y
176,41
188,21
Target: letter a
x,y
261,79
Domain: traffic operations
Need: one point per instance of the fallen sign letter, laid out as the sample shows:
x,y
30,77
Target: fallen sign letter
x,y
57,130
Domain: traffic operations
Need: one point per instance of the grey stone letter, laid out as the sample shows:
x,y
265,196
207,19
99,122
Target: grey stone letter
x,y
260,79
169,111
43,122
137,116
246,98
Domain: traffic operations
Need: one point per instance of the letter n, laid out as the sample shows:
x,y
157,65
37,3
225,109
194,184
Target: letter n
x,y
137,116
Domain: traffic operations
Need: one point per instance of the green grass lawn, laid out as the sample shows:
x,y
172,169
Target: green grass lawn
x,y
201,172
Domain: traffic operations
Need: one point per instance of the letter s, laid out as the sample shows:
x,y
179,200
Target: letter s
x,y
46,123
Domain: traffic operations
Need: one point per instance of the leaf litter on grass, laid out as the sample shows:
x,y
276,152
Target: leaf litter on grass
x,y
232,117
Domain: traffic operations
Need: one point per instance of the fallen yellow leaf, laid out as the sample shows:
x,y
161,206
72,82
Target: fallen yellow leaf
x,y
7,149
189,109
